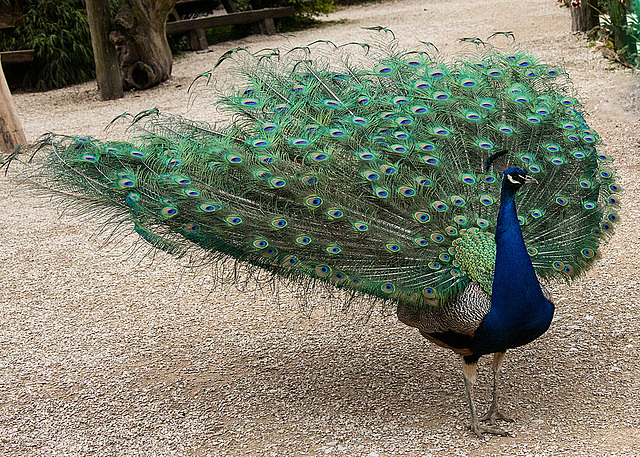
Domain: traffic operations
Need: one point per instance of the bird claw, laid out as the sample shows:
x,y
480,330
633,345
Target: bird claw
x,y
479,429
494,415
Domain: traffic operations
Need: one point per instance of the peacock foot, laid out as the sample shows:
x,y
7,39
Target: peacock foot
x,y
479,429
494,415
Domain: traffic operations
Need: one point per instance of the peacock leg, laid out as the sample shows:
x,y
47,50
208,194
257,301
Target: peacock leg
x,y
469,370
494,413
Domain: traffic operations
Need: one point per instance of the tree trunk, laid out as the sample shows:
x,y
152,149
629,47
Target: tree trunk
x,y
623,44
141,39
11,134
585,16
104,54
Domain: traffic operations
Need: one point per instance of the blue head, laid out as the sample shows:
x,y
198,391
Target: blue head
x,y
513,179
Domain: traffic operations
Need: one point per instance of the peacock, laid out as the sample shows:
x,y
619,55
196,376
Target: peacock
x,y
448,187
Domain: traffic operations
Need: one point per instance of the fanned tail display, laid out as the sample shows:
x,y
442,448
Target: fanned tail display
x,y
363,166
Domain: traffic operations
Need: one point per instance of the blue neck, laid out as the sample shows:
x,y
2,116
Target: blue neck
x,y
519,312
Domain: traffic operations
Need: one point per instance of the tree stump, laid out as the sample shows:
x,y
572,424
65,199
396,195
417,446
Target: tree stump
x,y
585,16
11,134
140,37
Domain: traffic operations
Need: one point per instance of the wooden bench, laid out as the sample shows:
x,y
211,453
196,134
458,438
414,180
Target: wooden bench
x,y
188,15
10,18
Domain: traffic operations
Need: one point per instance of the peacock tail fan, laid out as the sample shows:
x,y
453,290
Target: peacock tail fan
x,y
361,166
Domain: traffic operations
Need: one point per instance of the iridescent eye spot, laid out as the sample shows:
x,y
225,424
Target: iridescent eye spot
x,y
336,133
191,192
371,175
537,213
589,205
311,128
249,102
413,62
534,168
334,250
552,72
356,281
192,227
561,201
489,179
247,91
485,144
531,74
309,180
573,137
437,238
613,200
420,242
468,82
400,100
234,220
133,196
436,73
495,72
566,101
526,158
290,261
359,120
440,95
209,208
457,201
578,154
568,270
558,266
482,223
111,150
299,142
323,271
606,227
388,288
269,127
421,85
606,174
419,109
603,157
532,251
533,119
486,200
277,182
506,129
398,148
521,220
215,165
407,191
589,138
522,99
361,226
421,217
281,108
381,193
303,240
404,121
421,180
542,111
614,187
319,156
444,257
335,213
451,231
588,253
340,76
260,244
126,183
366,155
585,184
392,247
314,201
169,211
388,169
427,146
473,116
182,180
613,217
297,89
524,63
434,265
260,143
468,179
89,158
439,206
383,69
278,223
234,159
460,220
332,103
401,135
478,64
361,101
487,105
173,162
441,131
553,148
137,154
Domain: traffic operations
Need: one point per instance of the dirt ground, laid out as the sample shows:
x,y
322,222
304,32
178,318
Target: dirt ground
x,y
104,352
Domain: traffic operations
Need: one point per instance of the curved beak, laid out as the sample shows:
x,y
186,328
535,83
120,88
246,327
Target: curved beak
x,y
530,179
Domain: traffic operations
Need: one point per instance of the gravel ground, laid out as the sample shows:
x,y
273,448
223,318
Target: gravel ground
x,y
108,352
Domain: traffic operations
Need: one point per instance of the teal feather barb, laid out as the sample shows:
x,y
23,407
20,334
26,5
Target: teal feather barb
x,y
361,166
